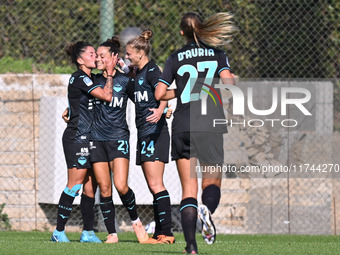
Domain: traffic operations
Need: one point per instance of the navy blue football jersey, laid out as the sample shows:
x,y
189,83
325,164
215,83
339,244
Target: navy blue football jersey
x,y
196,70
144,88
80,108
110,117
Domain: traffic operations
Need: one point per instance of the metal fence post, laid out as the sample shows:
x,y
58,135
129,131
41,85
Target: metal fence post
x,y
106,19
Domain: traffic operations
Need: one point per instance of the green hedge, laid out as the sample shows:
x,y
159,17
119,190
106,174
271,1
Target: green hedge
x,y
288,38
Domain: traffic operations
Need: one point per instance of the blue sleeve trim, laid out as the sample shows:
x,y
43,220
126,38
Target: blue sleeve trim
x,y
167,83
93,88
224,68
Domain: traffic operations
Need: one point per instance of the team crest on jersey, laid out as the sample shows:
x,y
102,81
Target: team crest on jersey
x,y
140,81
117,87
88,81
82,160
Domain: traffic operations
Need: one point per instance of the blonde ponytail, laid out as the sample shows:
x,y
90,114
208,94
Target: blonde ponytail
x,y
217,30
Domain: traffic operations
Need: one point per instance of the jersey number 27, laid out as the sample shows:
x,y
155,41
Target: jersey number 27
x,y
193,71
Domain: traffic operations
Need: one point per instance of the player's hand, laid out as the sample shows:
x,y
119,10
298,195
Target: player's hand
x,y
65,115
123,66
168,112
121,62
111,62
155,117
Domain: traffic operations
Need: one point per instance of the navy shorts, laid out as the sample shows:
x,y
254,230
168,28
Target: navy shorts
x,y
153,147
206,146
109,150
77,155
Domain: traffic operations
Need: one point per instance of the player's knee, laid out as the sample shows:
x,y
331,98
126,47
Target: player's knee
x,y
155,187
105,190
206,182
88,193
74,191
122,188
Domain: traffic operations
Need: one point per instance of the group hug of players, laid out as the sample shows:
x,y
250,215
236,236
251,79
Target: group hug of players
x,y
96,140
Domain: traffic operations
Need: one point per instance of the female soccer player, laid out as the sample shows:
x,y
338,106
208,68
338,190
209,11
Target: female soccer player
x,y
110,144
195,68
153,135
81,89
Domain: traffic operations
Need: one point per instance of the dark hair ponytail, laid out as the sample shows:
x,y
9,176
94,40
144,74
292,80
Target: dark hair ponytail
x,y
113,44
75,49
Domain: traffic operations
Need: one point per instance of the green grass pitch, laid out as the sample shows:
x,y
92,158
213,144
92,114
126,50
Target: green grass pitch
x,y
37,243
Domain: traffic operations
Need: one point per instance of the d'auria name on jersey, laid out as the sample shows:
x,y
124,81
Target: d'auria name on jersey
x,y
80,117
110,117
196,52
193,67
145,82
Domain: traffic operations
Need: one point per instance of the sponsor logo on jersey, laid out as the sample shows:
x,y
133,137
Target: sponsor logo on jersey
x,y
140,81
116,102
84,152
150,70
141,97
92,146
117,87
92,101
71,80
88,81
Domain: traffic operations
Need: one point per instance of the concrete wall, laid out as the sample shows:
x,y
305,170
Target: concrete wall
x,y
19,105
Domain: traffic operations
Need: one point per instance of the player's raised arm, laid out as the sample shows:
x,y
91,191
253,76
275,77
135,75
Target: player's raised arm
x,y
106,93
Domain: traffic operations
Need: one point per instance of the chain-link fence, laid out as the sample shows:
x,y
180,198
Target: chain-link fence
x,y
297,39
285,39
